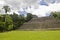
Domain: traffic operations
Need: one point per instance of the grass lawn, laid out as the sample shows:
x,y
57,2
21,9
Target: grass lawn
x,y
30,35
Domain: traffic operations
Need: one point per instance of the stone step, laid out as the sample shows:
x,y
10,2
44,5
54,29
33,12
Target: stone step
x,y
41,23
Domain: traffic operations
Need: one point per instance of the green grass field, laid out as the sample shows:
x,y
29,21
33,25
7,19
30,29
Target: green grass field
x,y
30,35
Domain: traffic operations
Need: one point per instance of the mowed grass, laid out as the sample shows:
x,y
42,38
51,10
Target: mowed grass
x,y
30,35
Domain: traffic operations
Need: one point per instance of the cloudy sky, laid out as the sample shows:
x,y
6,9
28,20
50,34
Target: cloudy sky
x,y
37,7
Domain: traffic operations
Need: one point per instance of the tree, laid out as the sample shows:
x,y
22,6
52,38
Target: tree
x,y
56,14
7,9
18,20
2,26
14,17
29,17
9,23
2,23
6,26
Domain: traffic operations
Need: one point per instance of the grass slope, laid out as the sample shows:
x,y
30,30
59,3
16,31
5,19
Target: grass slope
x,y
30,35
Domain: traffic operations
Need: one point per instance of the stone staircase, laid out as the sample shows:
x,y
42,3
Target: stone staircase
x,y
42,23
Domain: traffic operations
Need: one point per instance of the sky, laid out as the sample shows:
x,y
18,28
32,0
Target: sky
x,y
40,8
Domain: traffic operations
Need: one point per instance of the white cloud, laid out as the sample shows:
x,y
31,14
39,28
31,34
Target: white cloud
x,y
42,10
2,2
39,10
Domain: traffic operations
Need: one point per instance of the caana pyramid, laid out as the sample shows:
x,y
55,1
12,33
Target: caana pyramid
x,y
41,23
